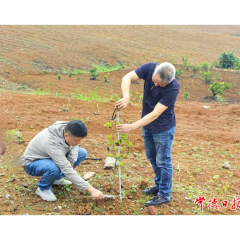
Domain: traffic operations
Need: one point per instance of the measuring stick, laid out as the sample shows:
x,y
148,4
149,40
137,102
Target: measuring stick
x,y
119,170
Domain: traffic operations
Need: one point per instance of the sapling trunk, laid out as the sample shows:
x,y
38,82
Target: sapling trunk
x,y
119,172
115,164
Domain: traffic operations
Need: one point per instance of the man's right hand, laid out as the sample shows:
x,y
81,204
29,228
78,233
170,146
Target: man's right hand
x,y
122,103
96,194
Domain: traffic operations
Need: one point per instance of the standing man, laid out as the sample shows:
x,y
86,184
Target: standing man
x,y
53,154
157,122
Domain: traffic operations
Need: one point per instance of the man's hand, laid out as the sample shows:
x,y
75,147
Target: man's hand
x,y
124,128
71,164
122,103
96,194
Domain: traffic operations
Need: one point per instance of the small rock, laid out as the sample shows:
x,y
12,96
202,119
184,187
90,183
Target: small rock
x,y
226,165
80,209
88,175
129,196
135,155
110,162
134,165
107,187
143,183
25,185
58,208
7,195
152,210
1,174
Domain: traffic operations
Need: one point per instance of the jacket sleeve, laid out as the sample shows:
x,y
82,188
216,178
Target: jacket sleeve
x,y
73,154
58,156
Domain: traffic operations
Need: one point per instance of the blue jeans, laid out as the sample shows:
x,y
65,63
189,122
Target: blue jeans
x,y
49,171
158,150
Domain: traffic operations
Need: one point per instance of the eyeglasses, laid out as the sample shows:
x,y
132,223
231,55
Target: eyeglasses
x,y
114,113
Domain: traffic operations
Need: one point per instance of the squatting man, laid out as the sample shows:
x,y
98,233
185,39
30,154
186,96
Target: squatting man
x,y
157,122
53,154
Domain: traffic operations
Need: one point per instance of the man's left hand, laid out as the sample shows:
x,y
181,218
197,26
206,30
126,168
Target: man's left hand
x,y
124,128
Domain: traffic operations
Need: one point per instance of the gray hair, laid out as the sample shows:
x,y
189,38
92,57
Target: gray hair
x,y
165,72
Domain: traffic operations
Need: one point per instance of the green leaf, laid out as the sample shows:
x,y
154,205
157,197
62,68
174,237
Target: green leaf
x,y
108,124
123,137
109,142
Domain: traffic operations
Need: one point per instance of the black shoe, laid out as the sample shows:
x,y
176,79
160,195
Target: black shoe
x,y
151,191
156,201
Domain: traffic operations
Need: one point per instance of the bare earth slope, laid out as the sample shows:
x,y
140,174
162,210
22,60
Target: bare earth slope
x,y
34,48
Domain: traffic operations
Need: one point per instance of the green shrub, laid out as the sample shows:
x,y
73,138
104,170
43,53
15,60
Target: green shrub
x,y
207,77
185,61
186,95
78,78
105,78
218,88
195,69
70,74
205,66
178,73
93,73
227,59
237,64
59,77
